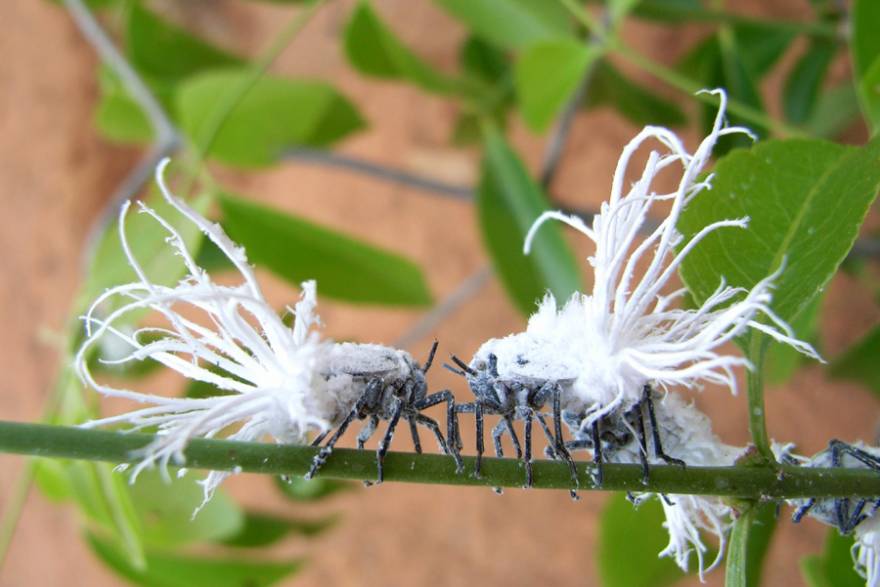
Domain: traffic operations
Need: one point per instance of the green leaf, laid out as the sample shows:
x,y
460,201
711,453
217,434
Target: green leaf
x,y
299,489
260,530
737,567
609,87
836,109
735,59
103,496
146,238
834,567
782,361
512,24
865,50
869,90
275,115
761,46
803,83
165,569
166,51
629,542
51,477
483,61
758,536
374,50
806,200
117,116
166,511
547,74
859,363
508,202
296,250
619,9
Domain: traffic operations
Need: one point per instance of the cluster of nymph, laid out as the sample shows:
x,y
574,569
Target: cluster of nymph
x,y
595,372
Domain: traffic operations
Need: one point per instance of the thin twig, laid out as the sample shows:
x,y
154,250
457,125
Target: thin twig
x,y
166,138
381,172
429,322
756,482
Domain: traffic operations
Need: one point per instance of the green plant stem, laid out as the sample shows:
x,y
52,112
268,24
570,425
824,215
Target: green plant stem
x,y
743,481
681,13
757,419
14,507
230,100
682,82
689,86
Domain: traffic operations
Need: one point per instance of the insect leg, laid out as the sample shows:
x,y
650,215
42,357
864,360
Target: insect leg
x,y
320,438
497,431
434,427
643,441
478,416
857,516
417,444
550,449
430,359
367,431
386,441
527,459
513,438
322,456
597,453
840,448
802,511
655,432
561,448
453,436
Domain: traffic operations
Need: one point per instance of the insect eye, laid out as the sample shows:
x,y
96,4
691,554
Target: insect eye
x,y
481,365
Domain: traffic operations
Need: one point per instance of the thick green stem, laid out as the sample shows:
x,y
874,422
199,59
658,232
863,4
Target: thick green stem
x,y
757,419
743,481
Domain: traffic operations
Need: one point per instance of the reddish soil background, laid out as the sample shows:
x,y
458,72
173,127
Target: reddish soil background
x,y
56,174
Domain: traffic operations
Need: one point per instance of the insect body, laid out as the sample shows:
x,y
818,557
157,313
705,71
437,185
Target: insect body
x,y
374,382
621,436
509,378
845,513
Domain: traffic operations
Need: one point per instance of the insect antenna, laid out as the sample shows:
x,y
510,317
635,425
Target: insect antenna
x,y
465,370
430,360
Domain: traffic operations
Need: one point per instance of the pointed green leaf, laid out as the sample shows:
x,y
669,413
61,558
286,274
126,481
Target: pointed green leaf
x,y
300,489
260,530
166,569
159,49
512,24
117,116
373,49
630,540
346,268
547,74
865,51
806,200
508,202
836,109
736,568
761,526
805,79
275,115
834,567
166,511
860,362
609,87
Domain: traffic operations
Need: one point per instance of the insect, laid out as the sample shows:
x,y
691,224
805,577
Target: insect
x,y
850,515
621,436
383,383
845,513
681,434
513,396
